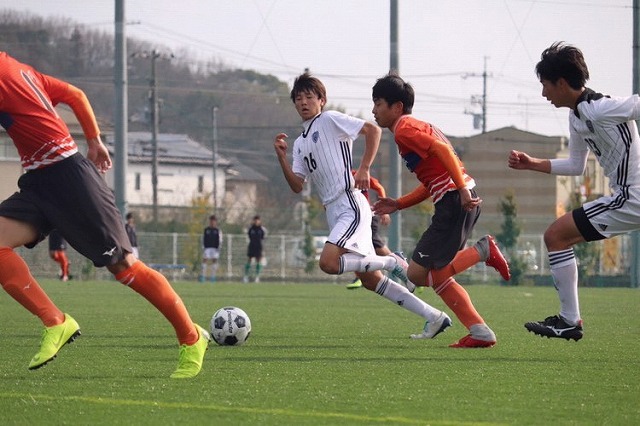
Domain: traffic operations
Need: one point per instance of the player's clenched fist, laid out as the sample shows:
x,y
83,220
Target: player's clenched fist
x,y
518,160
280,144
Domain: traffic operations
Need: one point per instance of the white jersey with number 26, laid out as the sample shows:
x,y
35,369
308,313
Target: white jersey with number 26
x,y
322,153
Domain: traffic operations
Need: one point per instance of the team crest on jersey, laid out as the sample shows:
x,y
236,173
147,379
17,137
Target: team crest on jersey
x,y
590,126
315,137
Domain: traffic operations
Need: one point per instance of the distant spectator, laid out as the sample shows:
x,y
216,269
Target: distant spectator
x,y
130,227
211,241
58,252
256,234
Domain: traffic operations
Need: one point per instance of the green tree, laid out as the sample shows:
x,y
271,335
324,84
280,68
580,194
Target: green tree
x,y
510,230
200,212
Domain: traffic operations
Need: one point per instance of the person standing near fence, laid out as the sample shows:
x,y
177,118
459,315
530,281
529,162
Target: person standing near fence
x,y
130,227
62,189
607,127
256,233
58,252
211,242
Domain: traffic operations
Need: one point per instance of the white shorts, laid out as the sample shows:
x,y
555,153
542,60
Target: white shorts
x,y
211,253
611,215
349,219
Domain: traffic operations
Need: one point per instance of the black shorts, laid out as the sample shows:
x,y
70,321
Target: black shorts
x,y
72,197
447,234
254,250
588,232
375,233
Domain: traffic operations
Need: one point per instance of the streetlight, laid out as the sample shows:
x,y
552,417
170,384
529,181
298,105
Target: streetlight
x,y
214,150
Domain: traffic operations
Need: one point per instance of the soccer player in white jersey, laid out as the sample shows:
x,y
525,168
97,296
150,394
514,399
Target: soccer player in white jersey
x,y
322,154
605,126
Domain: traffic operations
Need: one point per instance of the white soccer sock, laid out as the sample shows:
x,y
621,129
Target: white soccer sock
x,y
564,271
204,269
399,295
353,262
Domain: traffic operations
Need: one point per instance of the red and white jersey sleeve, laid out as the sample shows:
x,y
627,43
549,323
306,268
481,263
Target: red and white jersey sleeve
x,y
27,100
414,139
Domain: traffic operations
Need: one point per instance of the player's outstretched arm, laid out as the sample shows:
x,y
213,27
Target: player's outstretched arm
x,y
522,161
98,154
384,206
296,183
372,134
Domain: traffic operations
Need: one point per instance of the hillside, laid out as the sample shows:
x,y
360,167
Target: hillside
x,y
252,107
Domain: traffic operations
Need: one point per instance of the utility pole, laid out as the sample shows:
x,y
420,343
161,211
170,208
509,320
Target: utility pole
x,y
155,122
483,100
121,154
395,169
214,150
484,97
635,236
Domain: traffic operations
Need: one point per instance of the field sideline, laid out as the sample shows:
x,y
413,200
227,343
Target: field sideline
x,y
322,355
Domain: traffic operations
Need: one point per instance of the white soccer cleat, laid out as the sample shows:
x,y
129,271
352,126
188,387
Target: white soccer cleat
x,y
400,271
400,268
410,286
432,329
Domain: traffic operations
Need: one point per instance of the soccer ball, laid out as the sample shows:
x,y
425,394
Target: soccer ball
x,y
230,326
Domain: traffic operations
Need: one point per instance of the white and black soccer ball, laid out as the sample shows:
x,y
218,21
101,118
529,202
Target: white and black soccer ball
x,y
230,326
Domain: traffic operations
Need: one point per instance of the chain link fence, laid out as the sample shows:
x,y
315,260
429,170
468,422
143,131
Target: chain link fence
x,y
179,257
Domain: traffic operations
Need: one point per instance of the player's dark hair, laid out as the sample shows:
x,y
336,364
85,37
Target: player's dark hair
x,y
308,83
213,217
562,60
394,89
129,216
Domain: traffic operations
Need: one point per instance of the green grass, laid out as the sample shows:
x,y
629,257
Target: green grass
x,y
320,354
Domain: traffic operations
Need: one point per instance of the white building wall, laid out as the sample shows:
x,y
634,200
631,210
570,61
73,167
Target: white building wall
x,y
177,184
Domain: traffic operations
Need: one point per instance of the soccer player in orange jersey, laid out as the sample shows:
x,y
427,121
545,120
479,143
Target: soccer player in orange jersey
x,y
63,190
58,252
440,253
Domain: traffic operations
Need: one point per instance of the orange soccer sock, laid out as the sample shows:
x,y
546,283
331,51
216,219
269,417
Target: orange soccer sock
x,y
61,258
154,287
17,281
464,260
458,300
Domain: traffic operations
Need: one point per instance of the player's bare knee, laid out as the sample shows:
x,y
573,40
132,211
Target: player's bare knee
x,y
416,275
552,241
329,266
124,264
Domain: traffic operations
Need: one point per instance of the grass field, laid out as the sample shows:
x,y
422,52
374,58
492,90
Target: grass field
x,y
320,354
